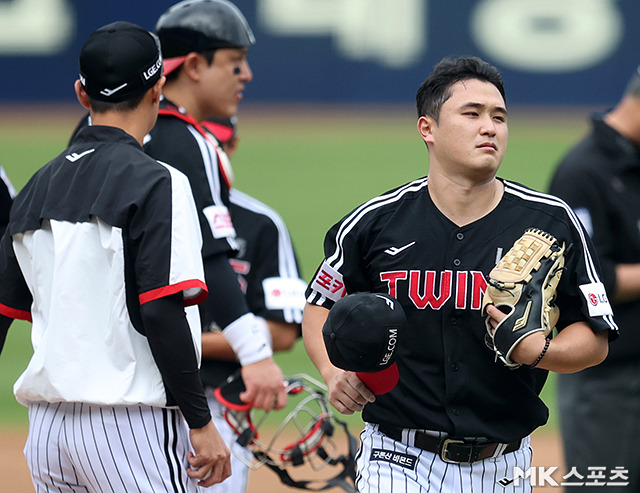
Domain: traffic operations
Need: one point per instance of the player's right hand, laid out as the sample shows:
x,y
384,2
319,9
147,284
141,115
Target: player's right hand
x,y
211,462
347,393
265,386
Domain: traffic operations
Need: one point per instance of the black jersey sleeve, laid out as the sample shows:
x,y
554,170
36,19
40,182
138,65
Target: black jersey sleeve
x,y
226,301
5,206
585,193
341,271
15,296
175,143
170,340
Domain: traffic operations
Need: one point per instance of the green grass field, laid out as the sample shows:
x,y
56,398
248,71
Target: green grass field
x,y
311,164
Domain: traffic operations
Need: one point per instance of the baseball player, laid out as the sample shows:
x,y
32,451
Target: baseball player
x,y
458,420
102,255
597,179
268,273
7,193
204,44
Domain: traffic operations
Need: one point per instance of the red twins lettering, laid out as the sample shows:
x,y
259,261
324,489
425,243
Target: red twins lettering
x,y
433,289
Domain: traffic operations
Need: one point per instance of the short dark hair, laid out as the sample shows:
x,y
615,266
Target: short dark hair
x,y
436,88
127,105
208,56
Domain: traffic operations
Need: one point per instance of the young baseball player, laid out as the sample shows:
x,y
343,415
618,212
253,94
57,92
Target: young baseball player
x,y
205,44
458,419
268,272
102,254
598,180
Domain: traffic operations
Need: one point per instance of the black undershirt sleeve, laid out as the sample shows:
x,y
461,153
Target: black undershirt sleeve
x,y
171,344
226,302
5,323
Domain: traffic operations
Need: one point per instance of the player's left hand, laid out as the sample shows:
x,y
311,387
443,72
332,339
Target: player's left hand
x,y
347,393
528,349
265,386
211,463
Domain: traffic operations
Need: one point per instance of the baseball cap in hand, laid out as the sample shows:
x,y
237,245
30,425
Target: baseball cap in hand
x,y
361,335
120,61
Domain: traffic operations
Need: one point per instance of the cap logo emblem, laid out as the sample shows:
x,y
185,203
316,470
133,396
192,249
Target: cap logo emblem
x,y
110,92
151,71
386,300
391,346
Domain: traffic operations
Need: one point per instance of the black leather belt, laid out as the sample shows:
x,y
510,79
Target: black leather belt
x,y
452,450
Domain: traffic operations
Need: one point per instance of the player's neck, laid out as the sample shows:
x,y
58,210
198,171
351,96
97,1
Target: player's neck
x,y
182,97
129,122
463,203
625,120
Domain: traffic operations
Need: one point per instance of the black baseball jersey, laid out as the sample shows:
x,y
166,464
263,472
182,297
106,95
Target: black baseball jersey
x,y
177,139
106,209
399,243
266,262
7,193
267,269
606,198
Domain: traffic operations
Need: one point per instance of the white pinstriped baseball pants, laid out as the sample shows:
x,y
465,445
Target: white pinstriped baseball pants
x,y
75,447
237,482
385,464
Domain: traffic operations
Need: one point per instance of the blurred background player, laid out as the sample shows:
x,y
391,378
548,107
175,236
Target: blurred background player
x,y
205,45
7,193
268,272
104,272
600,179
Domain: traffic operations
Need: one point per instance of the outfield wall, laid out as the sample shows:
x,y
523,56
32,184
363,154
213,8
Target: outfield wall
x,y
569,52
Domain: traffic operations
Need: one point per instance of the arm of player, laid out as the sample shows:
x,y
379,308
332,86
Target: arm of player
x,y
172,347
282,335
5,323
627,283
347,393
227,306
575,348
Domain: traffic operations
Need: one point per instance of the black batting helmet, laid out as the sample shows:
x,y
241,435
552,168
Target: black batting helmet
x,y
202,25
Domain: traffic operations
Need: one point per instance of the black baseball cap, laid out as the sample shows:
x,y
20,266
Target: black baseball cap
x,y
120,61
361,334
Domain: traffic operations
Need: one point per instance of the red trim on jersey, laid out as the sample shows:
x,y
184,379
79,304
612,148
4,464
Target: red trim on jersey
x,y
158,293
219,130
7,311
173,111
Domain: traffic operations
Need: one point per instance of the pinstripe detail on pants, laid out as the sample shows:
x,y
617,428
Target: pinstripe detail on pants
x,y
76,447
385,464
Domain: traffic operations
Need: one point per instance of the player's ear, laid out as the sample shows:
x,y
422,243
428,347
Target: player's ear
x,y
193,64
81,94
156,91
426,124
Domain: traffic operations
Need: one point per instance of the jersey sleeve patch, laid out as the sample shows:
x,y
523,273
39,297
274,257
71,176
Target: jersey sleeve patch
x,y
194,291
219,221
281,293
596,298
328,282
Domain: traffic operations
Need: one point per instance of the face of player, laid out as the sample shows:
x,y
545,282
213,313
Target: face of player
x,y
470,138
223,81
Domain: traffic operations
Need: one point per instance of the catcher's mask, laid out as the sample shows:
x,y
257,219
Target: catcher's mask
x,y
309,416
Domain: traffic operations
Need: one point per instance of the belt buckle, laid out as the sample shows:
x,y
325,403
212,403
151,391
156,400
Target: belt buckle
x,y
444,451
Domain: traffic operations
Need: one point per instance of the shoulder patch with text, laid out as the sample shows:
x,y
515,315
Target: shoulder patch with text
x,y
597,300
